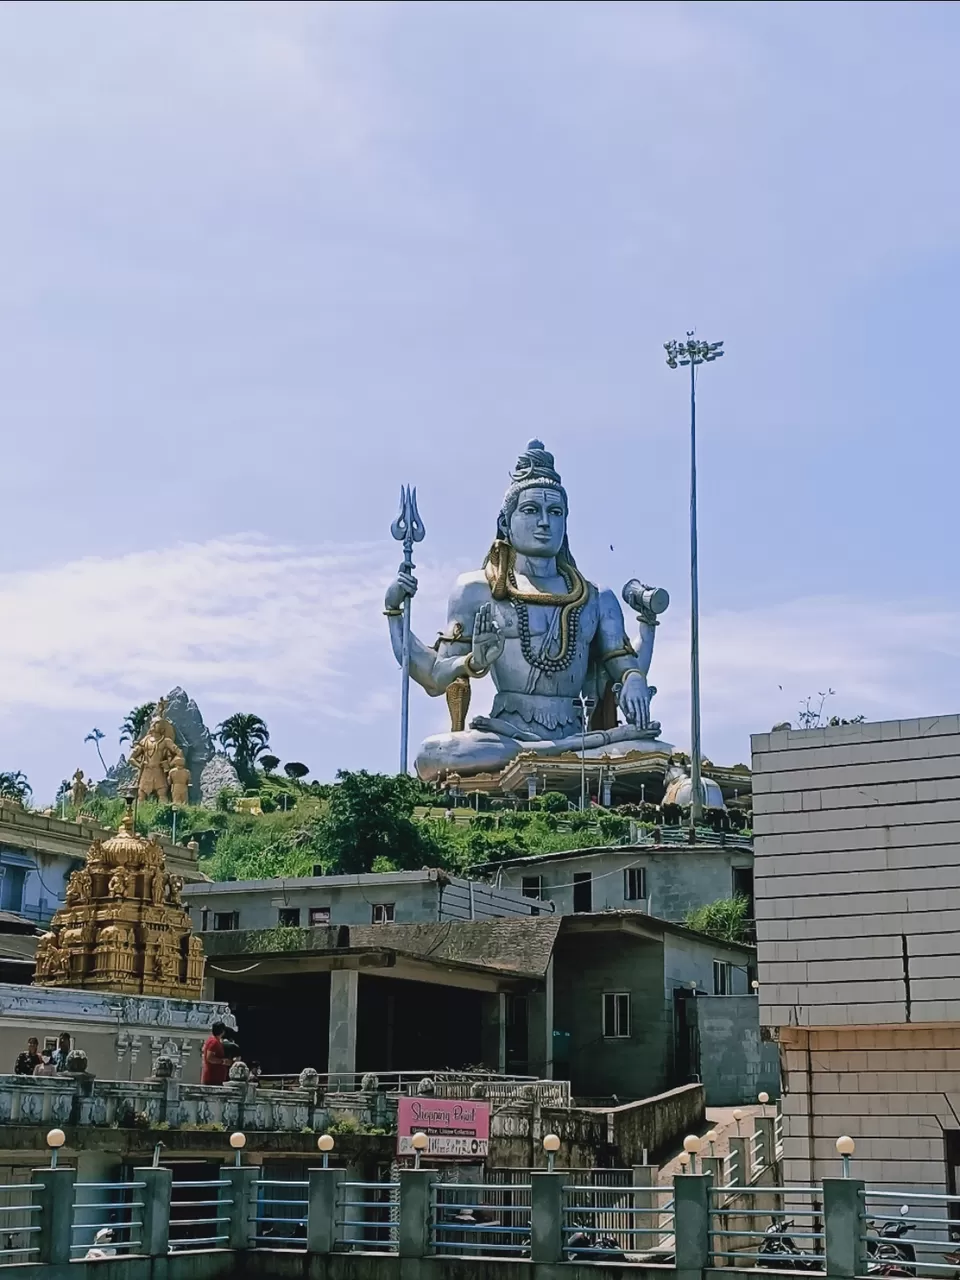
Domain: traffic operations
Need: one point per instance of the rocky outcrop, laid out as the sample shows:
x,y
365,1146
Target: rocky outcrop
x,y
217,774
193,737
119,775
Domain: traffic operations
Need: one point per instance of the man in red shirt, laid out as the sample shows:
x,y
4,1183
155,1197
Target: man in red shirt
x,y
214,1063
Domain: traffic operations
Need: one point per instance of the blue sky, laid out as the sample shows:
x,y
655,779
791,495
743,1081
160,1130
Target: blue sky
x,y
263,262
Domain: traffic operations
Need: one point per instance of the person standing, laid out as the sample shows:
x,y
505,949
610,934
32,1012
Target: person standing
x,y
62,1051
214,1061
29,1060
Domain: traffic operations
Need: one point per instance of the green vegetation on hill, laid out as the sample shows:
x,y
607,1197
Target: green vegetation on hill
x,y
365,822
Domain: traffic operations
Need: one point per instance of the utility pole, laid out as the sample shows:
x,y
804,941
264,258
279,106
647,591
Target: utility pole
x,y
694,353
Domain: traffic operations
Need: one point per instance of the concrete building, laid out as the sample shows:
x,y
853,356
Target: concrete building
x,y
858,918
609,1001
663,878
395,897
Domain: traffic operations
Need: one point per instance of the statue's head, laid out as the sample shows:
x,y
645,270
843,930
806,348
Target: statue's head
x,y
533,518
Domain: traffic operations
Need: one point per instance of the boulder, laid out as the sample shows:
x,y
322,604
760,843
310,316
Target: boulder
x,y
118,776
218,773
193,737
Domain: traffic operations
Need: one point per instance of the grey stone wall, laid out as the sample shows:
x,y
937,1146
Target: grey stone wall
x,y
857,832
735,1064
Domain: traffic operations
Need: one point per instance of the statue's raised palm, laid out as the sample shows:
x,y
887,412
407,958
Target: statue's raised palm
x,y
487,639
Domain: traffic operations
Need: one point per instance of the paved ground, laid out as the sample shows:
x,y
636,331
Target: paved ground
x,y
721,1119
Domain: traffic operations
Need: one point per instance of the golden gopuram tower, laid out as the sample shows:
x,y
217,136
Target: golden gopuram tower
x,y
124,927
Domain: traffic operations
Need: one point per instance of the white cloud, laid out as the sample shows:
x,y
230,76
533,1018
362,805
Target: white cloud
x,y
298,631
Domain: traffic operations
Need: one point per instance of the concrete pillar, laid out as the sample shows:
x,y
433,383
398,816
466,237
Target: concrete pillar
x,y
156,1196
691,1196
502,1032
324,1195
740,1149
342,1041
415,1212
546,1217
768,1141
843,1219
56,1213
540,1029
242,1192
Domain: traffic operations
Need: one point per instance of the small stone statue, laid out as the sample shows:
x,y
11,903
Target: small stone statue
x,y
119,883
174,888
157,888
178,776
79,789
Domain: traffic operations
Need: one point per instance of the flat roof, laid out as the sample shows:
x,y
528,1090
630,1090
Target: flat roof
x,y
278,884
733,844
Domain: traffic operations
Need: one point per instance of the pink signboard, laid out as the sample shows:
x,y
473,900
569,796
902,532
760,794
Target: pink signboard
x,y
457,1128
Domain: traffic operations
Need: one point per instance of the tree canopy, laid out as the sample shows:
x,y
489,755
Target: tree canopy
x,y
247,737
135,723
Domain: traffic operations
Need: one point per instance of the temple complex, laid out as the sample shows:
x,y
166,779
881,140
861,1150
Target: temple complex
x,y
124,927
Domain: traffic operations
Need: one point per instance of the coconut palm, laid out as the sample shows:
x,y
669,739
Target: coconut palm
x,y
247,736
14,786
136,722
96,736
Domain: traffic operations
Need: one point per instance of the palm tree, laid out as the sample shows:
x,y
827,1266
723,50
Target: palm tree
x,y
247,736
96,736
14,786
133,726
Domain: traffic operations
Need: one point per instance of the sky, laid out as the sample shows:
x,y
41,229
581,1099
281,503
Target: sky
x,y
263,263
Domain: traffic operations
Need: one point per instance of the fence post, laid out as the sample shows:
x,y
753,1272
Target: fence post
x,y
691,1198
323,1200
56,1213
415,1210
842,1219
242,1191
546,1216
766,1126
157,1194
740,1149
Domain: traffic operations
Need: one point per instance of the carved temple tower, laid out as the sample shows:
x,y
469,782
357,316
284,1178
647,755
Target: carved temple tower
x,y
124,927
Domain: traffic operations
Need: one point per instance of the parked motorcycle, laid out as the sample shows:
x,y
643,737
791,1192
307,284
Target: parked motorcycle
x,y
583,1246
778,1250
889,1253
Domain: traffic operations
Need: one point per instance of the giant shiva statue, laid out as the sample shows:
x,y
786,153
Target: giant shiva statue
x,y
544,634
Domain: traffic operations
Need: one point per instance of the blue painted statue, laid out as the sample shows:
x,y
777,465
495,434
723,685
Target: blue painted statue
x,y
544,634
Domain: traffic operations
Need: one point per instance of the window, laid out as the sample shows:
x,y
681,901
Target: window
x,y
319,915
582,891
616,1015
532,886
383,913
722,978
634,884
226,920
289,917
204,920
743,886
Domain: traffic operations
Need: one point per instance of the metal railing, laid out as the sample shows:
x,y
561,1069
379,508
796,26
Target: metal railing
x,y
781,1227
885,1209
618,1222
116,1209
10,1231
481,1219
368,1215
397,1082
214,1210
287,1228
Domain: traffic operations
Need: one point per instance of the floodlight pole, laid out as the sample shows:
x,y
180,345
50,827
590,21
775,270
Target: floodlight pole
x,y
694,353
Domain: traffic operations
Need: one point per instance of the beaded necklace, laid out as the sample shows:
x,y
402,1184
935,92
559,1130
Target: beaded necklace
x,y
569,605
